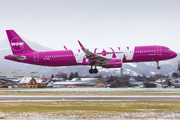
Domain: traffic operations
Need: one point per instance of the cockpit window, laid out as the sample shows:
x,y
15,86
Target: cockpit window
x,y
168,49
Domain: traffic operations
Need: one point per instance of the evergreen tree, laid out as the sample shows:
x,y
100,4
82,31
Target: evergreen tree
x,y
76,75
52,76
175,74
71,76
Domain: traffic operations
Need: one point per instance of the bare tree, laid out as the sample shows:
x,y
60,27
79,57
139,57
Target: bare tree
x,y
62,75
157,76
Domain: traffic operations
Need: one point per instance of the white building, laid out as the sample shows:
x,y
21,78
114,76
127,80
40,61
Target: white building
x,y
21,75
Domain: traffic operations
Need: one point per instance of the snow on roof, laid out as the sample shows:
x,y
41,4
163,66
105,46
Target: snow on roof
x,y
39,81
58,78
85,79
28,79
45,81
64,83
25,80
89,79
74,79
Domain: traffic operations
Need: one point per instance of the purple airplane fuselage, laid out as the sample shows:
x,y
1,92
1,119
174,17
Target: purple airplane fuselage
x,y
104,57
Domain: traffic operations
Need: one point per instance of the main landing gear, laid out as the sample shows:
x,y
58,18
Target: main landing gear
x,y
91,71
158,67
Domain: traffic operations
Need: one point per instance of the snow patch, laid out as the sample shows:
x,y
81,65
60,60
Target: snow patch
x,y
153,73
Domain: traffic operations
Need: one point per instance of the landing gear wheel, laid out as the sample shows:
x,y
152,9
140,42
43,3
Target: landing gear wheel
x,y
158,67
91,71
95,70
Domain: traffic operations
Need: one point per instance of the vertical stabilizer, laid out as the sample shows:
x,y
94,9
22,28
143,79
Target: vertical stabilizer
x,y
16,42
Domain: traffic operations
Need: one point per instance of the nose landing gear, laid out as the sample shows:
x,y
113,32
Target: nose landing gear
x,y
158,67
95,70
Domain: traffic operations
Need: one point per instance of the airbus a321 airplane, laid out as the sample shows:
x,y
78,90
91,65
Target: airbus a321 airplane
x,y
104,57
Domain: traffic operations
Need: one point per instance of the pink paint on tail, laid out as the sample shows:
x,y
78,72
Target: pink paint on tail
x,y
16,42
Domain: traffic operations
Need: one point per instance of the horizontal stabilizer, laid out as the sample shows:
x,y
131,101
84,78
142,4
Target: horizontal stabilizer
x,y
18,57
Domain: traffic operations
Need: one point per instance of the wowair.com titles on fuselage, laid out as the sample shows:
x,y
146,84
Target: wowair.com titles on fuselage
x,y
104,57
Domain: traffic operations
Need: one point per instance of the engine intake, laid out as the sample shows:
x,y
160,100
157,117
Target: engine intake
x,y
114,63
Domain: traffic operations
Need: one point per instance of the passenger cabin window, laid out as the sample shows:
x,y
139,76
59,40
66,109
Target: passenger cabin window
x,y
168,49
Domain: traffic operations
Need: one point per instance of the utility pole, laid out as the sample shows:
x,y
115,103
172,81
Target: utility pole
x,y
121,71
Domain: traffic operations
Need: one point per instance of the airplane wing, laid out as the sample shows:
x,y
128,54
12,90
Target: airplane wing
x,y
92,57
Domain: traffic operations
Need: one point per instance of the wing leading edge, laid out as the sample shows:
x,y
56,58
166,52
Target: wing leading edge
x,y
93,58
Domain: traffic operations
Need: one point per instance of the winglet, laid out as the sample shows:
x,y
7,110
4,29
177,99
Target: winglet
x,y
82,47
65,48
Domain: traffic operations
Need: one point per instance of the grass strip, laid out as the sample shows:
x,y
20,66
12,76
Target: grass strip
x,y
113,106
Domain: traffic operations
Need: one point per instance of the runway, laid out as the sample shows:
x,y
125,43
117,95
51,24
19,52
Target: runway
x,y
89,98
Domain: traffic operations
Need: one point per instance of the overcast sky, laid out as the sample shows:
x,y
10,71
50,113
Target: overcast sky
x,y
96,23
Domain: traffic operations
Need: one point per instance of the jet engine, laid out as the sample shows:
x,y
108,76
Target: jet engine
x,y
114,63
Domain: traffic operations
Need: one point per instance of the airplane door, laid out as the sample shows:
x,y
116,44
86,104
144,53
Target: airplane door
x,y
36,57
159,51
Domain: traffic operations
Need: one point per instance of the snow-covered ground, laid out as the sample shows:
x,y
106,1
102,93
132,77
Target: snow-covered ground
x,y
82,116
147,113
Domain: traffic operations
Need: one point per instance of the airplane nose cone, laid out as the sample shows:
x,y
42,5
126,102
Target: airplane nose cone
x,y
174,54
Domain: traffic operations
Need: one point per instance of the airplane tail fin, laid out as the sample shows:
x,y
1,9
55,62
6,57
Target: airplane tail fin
x,y
17,43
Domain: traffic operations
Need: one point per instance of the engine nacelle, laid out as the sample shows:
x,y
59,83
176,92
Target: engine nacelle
x,y
114,63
